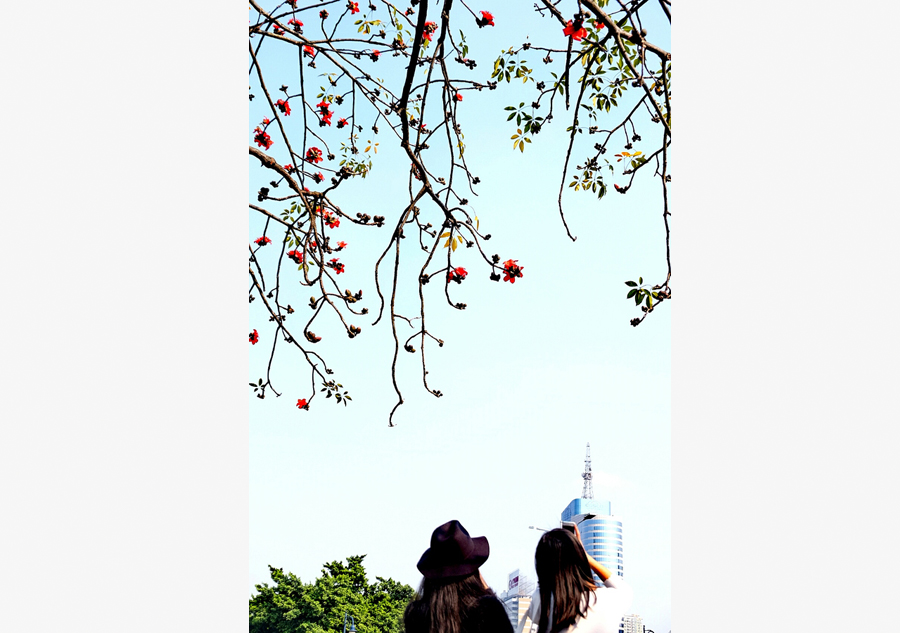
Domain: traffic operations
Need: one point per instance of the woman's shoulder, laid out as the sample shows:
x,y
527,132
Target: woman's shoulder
x,y
488,616
616,583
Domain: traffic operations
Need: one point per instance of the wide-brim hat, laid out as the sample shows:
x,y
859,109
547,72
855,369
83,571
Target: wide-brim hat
x,y
453,552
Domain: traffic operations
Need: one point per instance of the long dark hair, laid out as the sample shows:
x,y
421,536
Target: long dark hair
x,y
563,574
441,604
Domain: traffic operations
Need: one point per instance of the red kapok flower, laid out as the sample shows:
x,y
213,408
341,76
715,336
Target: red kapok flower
x,y
266,121
293,3
314,155
486,19
331,220
576,31
341,246
511,270
318,177
302,404
296,256
323,14
430,28
338,266
262,241
598,25
324,112
254,337
309,51
375,55
458,97
457,275
353,6
295,23
278,30
262,139
284,106
341,123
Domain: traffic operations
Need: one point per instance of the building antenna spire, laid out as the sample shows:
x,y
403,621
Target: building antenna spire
x,y
588,491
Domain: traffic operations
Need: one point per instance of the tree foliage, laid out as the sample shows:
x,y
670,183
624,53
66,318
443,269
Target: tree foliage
x,y
291,606
368,73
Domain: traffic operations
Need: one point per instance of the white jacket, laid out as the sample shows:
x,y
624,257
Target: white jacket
x,y
606,607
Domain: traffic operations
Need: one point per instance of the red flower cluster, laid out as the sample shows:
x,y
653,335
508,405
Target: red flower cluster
x,y
338,266
284,106
341,246
375,55
266,121
458,97
353,6
457,275
254,337
278,30
262,241
598,25
293,3
324,112
302,404
323,14
430,28
309,51
296,256
314,155
262,139
331,220
289,168
576,31
512,270
341,123
295,23
318,177
486,19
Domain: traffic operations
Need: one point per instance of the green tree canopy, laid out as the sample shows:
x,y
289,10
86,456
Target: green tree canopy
x,y
290,605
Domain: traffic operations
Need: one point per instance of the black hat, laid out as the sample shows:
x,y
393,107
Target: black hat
x,y
453,552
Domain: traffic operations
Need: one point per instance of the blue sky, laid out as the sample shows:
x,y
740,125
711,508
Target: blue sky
x,y
531,372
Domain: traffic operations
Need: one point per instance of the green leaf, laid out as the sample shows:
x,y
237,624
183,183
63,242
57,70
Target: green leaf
x,y
627,283
631,293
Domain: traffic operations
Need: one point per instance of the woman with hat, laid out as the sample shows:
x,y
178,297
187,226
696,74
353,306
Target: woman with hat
x,y
453,596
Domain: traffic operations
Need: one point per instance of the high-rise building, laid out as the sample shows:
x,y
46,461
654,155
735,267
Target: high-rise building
x,y
517,598
632,624
601,531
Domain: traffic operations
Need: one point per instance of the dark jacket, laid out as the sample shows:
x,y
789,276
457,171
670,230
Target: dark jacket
x,y
488,616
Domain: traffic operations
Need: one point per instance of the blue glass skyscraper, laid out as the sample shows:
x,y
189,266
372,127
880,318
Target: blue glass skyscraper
x,y
601,532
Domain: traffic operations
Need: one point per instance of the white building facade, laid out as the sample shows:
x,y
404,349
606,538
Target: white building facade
x,y
517,598
632,623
